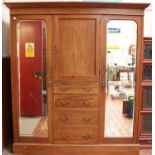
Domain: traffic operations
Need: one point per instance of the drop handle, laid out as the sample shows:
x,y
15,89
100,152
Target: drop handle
x,y
64,136
103,83
86,88
63,103
64,118
50,82
64,87
55,49
86,103
86,136
87,119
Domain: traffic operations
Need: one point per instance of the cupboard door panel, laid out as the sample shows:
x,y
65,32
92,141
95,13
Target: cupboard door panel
x,y
77,49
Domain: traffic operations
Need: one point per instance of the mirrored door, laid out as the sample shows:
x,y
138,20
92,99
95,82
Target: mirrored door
x,y
120,79
31,69
31,50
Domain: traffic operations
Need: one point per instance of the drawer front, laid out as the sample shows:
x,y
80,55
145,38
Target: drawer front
x,y
75,101
75,135
76,117
76,88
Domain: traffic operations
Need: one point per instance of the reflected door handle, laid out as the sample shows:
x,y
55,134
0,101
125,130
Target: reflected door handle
x,y
38,74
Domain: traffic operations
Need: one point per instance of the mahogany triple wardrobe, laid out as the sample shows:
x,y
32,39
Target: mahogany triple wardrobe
x,y
76,77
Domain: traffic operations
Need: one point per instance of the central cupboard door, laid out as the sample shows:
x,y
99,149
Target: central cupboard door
x,y
76,47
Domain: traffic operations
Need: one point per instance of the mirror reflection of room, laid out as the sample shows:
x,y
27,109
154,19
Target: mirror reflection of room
x,y
31,47
120,78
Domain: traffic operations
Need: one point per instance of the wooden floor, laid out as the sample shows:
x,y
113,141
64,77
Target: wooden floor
x,y
117,124
142,152
146,152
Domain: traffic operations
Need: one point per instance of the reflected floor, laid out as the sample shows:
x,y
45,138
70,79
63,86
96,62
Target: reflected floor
x,y
117,124
33,126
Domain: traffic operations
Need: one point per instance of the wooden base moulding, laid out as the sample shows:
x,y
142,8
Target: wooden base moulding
x,y
54,149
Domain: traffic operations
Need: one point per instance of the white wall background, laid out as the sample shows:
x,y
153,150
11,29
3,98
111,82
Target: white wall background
x,y
6,21
5,31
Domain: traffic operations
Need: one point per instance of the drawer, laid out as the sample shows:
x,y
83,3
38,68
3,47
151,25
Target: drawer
x,y
77,88
75,101
75,117
75,135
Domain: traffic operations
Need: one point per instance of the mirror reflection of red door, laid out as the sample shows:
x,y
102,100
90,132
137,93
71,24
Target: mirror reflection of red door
x,y
30,54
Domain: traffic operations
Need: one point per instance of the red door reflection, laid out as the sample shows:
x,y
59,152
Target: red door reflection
x,y
30,63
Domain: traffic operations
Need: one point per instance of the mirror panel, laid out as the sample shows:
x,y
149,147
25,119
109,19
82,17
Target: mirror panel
x,y
120,78
31,53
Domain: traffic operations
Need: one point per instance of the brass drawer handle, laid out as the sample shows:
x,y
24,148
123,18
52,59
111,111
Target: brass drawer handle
x,y
86,103
87,119
86,136
63,103
64,87
86,88
64,118
64,136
